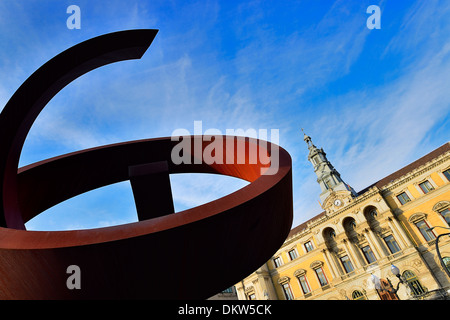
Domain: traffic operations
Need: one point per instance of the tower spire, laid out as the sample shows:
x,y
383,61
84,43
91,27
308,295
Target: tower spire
x,y
307,139
328,177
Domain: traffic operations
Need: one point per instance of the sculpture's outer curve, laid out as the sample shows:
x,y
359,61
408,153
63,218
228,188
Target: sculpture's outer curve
x,y
187,255
28,101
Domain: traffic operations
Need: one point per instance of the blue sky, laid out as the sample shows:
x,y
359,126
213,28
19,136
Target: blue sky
x,y
375,100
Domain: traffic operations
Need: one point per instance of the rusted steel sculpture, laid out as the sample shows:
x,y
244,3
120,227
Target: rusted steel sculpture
x,y
191,254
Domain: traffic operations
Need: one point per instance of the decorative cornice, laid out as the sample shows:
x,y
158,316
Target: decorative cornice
x,y
248,289
416,172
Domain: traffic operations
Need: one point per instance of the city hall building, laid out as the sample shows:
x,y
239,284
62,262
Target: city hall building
x,y
353,249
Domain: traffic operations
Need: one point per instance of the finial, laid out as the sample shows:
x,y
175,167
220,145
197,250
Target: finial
x,y
306,137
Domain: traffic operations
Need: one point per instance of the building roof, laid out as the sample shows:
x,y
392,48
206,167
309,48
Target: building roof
x,y
385,181
414,165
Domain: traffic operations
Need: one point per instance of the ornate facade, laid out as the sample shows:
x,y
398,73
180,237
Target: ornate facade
x,y
348,250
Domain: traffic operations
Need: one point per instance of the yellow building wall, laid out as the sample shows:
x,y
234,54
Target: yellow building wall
x,y
421,205
414,192
437,179
424,204
304,264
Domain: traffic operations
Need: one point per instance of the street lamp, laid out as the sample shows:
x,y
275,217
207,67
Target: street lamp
x,y
396,271
437,248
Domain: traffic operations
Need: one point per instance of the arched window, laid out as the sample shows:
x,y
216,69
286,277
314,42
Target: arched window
x,y
414,283
349,225
443,209
370,213
358,295
446,215
332,234
350,228
329,235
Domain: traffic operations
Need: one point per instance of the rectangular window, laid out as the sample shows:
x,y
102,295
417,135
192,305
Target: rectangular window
x,y
426,186
287,291
277,262
293,254
347,264
447,174
304,284
446,215
309,246
403,198
251,296
321,276
368,254
392,244
423,228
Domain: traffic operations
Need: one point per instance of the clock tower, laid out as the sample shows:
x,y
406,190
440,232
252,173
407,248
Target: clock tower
x,y
335,192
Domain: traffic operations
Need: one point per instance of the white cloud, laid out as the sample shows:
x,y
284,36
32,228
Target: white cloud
x,y
371,133
264,82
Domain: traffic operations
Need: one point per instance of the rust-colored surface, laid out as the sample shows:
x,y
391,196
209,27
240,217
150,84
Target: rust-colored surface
x,y
191,254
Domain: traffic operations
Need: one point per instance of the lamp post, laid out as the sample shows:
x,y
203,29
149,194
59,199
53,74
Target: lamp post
x,y
438,251
396,271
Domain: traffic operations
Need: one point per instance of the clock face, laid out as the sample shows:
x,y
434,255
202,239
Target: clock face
x,y
337,202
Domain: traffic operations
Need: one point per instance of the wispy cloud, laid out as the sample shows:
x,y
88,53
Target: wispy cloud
x,y
375,131
248,65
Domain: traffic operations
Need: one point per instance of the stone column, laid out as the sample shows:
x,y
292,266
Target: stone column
x,y
376,242
372,245
403,237
334,270
352,254
240,291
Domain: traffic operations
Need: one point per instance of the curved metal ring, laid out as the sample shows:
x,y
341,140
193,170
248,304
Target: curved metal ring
x,y
187,255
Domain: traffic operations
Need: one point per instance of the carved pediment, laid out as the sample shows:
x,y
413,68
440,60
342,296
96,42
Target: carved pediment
x,y
299,272
337,200
316,264
283,280
441,205
248,289
417,216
